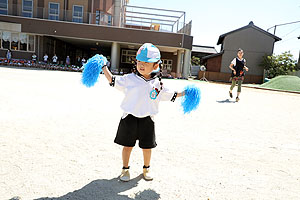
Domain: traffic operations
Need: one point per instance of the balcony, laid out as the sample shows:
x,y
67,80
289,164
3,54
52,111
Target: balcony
x,y
155,19
131,17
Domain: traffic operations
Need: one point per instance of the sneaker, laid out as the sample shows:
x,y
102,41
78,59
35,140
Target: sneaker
x,y
230,94
125,175
237,99
147,174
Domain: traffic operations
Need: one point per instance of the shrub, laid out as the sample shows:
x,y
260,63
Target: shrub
x,y
282,64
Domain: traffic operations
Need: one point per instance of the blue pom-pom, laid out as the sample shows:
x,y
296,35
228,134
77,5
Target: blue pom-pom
x,y
191,99
92,69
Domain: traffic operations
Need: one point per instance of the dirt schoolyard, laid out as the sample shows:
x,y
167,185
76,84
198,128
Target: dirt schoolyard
x,y
56,142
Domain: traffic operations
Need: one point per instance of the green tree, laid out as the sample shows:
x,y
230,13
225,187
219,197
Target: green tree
x,y
276,65
195,61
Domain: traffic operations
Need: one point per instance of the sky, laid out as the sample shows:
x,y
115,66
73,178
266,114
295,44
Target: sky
x,y
212,18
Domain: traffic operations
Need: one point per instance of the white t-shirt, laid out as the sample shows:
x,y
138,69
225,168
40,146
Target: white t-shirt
x,y
234,61
138,100
45,58
54,58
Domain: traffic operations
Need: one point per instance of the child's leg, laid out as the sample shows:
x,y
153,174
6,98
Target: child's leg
x,y
126,155
147,157
232,85
239,87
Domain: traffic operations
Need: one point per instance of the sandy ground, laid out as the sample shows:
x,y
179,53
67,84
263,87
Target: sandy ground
x,y
56,142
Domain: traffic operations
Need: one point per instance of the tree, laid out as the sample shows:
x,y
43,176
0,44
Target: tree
x,y
195,61
282,64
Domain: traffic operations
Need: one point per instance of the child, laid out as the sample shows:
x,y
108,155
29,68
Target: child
x,y
68,60
143,92
46,58
237,66
8,55
34,57
54,59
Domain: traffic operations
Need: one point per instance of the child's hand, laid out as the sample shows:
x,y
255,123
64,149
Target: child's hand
x,y
247,69
234,72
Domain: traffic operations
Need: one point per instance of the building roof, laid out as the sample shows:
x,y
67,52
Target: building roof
x,y
213,55
204,49
250,25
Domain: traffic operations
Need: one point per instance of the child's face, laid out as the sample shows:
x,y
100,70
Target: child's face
x,y
240,54
145,68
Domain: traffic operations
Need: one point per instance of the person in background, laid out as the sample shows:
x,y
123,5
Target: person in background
x,y
46,58
68,60
8,55
83,61
237,67
54,59
34,57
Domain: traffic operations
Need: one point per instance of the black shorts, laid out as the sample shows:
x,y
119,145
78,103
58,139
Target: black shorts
x,y
132,128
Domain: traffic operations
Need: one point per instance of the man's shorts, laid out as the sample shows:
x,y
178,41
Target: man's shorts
x,y
132,128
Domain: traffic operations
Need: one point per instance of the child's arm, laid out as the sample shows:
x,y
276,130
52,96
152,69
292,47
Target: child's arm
x,y
246,68
107,73
231,67
180,94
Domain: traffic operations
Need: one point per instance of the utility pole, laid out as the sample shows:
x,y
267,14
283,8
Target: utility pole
x,y
282,25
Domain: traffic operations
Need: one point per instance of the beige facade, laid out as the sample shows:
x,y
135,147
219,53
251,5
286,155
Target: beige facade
x,y
46,28
20,7
61,7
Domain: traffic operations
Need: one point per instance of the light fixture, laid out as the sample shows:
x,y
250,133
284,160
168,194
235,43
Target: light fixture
x,y
130,46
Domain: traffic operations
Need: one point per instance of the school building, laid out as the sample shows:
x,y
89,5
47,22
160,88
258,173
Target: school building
x,y
83,28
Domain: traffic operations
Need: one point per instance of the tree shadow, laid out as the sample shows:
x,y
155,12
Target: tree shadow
x,y
226,101
107,189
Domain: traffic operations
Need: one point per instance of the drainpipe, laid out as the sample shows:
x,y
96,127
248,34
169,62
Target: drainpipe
x,y
117,13
299,54
65,10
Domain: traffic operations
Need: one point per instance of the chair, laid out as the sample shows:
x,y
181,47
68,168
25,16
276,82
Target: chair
x,y
155,26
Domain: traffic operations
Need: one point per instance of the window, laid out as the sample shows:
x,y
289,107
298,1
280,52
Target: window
x,y
3,7
14,41
128,56
102,18
30,42
77,14
167,65
23,41
98,13
27,8
6,39
109,20
53,11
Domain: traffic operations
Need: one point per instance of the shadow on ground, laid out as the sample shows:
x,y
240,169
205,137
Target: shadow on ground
x,y
226,101
107,189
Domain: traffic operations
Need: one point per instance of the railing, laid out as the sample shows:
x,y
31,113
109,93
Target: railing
x,y
131,17
76,15
155,19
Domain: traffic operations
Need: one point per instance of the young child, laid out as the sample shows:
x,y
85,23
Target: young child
x,y
8,55
54,59
237,66
143,91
